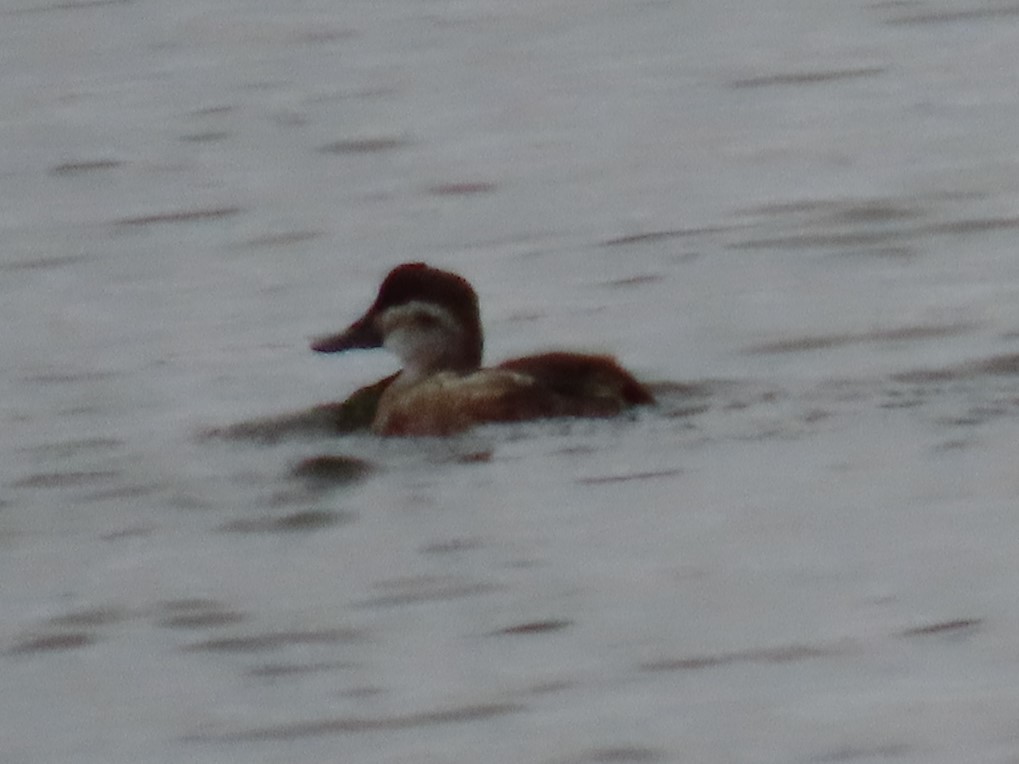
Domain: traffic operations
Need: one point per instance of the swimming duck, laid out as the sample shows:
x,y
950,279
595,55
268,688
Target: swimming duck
x,y
430,320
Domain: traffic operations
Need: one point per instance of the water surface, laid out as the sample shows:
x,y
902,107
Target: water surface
x,y
796,218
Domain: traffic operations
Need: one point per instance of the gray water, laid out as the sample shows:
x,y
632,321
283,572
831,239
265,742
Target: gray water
x,y
797,219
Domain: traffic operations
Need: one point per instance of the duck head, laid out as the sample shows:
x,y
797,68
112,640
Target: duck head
x,y
427,317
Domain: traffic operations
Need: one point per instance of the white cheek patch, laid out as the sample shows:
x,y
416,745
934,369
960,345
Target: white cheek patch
x,y
419,334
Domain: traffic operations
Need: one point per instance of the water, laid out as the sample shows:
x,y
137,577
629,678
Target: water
x,y
796,218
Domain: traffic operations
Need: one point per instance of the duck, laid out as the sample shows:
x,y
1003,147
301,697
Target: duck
x,y
430,320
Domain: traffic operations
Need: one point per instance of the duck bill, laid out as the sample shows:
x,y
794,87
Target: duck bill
x,y
360,334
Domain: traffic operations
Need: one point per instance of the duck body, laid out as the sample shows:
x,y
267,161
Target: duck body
x,y
430,319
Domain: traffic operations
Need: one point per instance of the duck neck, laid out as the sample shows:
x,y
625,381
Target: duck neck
x,y
426,353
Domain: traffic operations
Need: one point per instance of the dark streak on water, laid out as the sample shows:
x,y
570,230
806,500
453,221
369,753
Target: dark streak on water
x,y
799,652
179,216
1001,365
825,342
90,617
364,145
84,166
203,620
654,236
70,378
308,520
891,253
212,111
855,753
208,136
189,605
951,17
277,640
122,492
873,211
535,627
602,479
772,655
821,240
279,670
69,448
283,239
67,6
348,725
332,469
953,628
451,546
974,225
64,479
323,419
43,263
808,78
635,281
463,188
868,237
621,755
48,643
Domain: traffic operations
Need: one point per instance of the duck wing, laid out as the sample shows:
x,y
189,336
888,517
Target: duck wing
x,y
582,378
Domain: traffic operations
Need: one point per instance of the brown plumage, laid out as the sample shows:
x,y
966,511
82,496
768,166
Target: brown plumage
x,y
430,319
